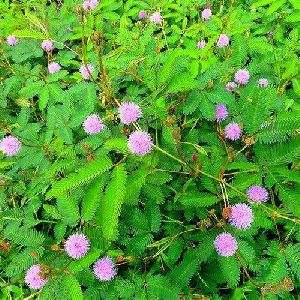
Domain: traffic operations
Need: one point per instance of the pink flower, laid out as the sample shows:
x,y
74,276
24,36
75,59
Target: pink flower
x,y
201,44
233,131
47,45
10,145
140,142
230,86
86,5
206,14
241,216
223,41
90,4
142,15
263,82
93,4
221,112
93,124
156,18
54,67
77,245
104,269
242,76
257,194
34,279
225,244
12,40
129,112
86,70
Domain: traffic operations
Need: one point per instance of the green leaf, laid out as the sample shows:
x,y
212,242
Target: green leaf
x,y
57,76
182,273
60,230
52,211
207,108
293,17
275,6
278,270
43,98
92,197
110,15
177,68
33,18
247,252
68,209
160,287
22,260
198,148
23,236
295,3
262,3
28,33
193,30
230,267
198,199
242,166
135,181
292,256
86,261
72,287
192,102
31,89
5,164
83,176
118,144
181,83
110,206
296,85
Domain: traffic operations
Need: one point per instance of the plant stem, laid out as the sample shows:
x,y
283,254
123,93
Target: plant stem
x,y
170,155
275,214
172,171
40,221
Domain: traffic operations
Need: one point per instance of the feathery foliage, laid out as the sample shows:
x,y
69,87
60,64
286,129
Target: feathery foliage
x,y
107,216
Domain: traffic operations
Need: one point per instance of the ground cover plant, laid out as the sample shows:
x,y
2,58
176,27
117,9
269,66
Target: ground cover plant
x,y
149,149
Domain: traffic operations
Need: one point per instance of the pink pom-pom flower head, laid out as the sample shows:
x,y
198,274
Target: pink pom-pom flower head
x,y
33,277
47,45
10,145
140,142
233,131
223,41
104,269
257,194
86,71
221,112
241,216
12,40
156,18
206,14
90,4
129,112
93,124
201,44
263,82
230,86
86,5
93,4
77,245
54,67
225,244
242,76
142,15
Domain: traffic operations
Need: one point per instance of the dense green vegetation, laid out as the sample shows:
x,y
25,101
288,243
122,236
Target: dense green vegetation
x,y
156,208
